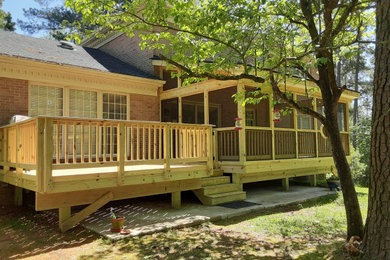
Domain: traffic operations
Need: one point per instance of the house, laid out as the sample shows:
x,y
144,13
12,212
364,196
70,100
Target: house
x,y
108,122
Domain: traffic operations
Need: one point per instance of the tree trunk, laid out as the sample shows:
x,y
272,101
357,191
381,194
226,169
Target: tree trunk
x,y
376,243
352,208
355,102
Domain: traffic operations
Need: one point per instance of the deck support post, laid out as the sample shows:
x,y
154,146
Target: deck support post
x,y
272,124
313,180
180,109
236,179
176,199
285,184
66,221
64,213
242,132
121,153
48,154
167,151
315,126
18,198
206,107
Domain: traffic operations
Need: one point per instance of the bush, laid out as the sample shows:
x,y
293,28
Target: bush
x,y
360,170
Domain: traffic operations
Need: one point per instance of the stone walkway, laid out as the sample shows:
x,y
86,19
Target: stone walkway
x,y
153,214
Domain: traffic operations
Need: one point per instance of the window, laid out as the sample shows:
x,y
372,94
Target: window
x,y
46,101
82,103
114,106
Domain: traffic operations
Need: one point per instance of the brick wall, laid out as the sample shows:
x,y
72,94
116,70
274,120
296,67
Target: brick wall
x,y
145,108
128,50
13,98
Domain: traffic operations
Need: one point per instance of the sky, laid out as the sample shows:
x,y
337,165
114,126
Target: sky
x,y
15,7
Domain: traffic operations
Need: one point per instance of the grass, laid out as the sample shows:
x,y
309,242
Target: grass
x,y
311,230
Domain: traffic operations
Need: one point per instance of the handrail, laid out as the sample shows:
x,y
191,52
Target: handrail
x,y
47,143
304,143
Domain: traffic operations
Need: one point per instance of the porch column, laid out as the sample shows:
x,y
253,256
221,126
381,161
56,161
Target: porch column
x,y
315,126
206,107
295,114
241,133
271,124
180,109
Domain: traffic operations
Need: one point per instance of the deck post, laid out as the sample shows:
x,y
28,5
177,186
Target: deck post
x,y
295,114
313,180
242,132
180,109
176,199
121,153
64,213
5,149
215,150
206,107
48,154
210,162
315,126
167,151
272,125
285,184
39,153
18,196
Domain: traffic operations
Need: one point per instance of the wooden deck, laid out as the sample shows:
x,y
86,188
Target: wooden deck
x,y
51,155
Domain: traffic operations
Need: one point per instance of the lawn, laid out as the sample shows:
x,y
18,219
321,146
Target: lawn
x,y
311,230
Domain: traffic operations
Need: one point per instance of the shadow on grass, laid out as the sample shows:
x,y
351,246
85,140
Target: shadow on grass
x,y
26,233
282,209
209,243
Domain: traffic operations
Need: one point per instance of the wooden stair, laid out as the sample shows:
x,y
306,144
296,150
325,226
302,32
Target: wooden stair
x,y
218,189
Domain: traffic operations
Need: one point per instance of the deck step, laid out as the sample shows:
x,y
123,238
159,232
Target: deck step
x,y
220,188
215,180
217,172
215,199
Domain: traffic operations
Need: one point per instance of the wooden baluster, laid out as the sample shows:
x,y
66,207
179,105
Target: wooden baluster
x,y
74,144
66,143
131,143
90,143
82,144
138,141
112,143
97,143
155,142
149,141
58,143
104,143
143,143
160,137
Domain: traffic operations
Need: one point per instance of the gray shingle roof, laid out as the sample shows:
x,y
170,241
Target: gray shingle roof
x,y
16,45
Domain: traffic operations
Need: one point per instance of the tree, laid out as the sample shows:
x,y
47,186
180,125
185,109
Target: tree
x,y
376,243
268,40
58,21
6,20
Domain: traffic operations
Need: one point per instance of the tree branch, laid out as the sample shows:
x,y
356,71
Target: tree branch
x,y
211,75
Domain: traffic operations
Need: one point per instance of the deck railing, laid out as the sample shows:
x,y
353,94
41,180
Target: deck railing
x,y
280,143
44,144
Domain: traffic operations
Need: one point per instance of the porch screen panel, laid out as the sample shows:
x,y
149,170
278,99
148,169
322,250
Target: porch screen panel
x,y
305,121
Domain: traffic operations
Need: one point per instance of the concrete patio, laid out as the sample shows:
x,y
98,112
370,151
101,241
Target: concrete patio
x,y
153,214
